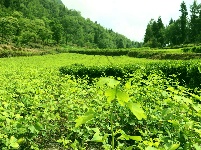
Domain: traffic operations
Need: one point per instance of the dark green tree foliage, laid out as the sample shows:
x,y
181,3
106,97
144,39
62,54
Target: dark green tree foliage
x,y
195,22
173,33
148,38
184,21
8,27
56,31
160,35
185,29
155,33
49,22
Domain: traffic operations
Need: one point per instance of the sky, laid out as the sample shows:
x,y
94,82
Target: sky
x,y
128,17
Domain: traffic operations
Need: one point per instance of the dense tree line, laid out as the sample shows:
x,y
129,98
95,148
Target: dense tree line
x,y
46,22
186,29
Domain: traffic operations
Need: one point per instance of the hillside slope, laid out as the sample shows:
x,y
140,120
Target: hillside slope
x,y
48,22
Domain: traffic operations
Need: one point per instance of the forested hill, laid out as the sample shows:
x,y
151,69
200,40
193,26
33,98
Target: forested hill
x,y
49,22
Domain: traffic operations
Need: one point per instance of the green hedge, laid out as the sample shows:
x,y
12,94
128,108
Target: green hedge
x,y
140,54
101,52
187,73
195,49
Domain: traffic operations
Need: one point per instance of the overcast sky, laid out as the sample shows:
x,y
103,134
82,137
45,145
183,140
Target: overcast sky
x,y
128,17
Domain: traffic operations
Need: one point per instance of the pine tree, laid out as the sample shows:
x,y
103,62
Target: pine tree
x,y
184,21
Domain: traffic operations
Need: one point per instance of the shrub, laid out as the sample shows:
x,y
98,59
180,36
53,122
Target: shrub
x,y
187,73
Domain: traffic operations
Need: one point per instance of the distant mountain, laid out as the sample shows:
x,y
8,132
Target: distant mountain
x,y
46,22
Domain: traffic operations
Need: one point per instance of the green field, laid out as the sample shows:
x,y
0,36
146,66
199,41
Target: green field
x,y
44,109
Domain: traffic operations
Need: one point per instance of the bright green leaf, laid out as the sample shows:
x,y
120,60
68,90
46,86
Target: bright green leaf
x,y
124,136
136,138
122,97
196,146
97,137
110,94
198,131
150,148
174,122
128,85
137,110
174,146
110,82
113,83
13,142
83,119
32,129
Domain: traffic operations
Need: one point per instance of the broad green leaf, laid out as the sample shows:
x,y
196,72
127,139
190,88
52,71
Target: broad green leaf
x,y
110,82
13,142
110,94
187,100
196,146
38,126
174,122
136,138
122,97
174,146
129,137
102,82
113,83
195,96
197,107
83,119
128,85
198,131
129,148
21,140
124,136
97,137
14,145
150,148
74,145
32,129
137,110
189,125
183,99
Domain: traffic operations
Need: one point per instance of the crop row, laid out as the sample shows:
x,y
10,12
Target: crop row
x,y
187,73
43,110
195,49
141,54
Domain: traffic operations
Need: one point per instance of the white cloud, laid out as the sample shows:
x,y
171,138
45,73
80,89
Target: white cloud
x,y
127,17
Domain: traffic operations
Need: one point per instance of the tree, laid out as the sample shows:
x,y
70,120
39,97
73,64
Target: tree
x,y
160,36
171,21
194,22
184,21
173,33
57,30
27,37
149,34
8,27
155,34
36,21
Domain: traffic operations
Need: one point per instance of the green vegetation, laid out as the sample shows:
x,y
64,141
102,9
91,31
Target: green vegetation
x,y
44,109
103,100
49,22
186,29
196,49
144,52
187,72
